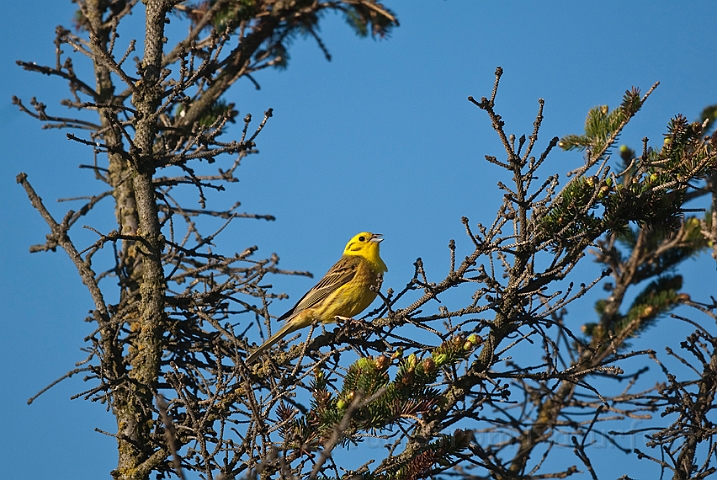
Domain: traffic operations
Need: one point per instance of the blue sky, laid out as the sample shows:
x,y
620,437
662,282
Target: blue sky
x,y
381,138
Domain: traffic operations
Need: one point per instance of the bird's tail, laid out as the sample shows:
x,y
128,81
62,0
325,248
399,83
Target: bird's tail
x,y
288,327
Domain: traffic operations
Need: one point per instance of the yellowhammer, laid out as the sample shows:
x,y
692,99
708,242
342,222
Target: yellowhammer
x,y
346,290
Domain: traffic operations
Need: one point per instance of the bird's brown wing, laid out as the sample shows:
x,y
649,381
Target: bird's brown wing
x,y
340,274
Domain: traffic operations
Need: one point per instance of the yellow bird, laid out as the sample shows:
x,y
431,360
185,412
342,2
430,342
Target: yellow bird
x,y
347,289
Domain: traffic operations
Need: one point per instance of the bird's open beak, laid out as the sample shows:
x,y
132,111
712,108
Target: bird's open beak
x,y
376,237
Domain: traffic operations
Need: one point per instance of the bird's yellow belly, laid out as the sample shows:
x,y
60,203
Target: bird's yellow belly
x,y
346,302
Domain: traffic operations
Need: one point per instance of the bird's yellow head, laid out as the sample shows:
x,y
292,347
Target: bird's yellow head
x,y
366,245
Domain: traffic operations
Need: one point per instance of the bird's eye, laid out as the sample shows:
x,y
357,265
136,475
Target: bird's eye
x,y
362,238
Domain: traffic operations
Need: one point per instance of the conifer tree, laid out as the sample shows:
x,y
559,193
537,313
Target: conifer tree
x,y
488,386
